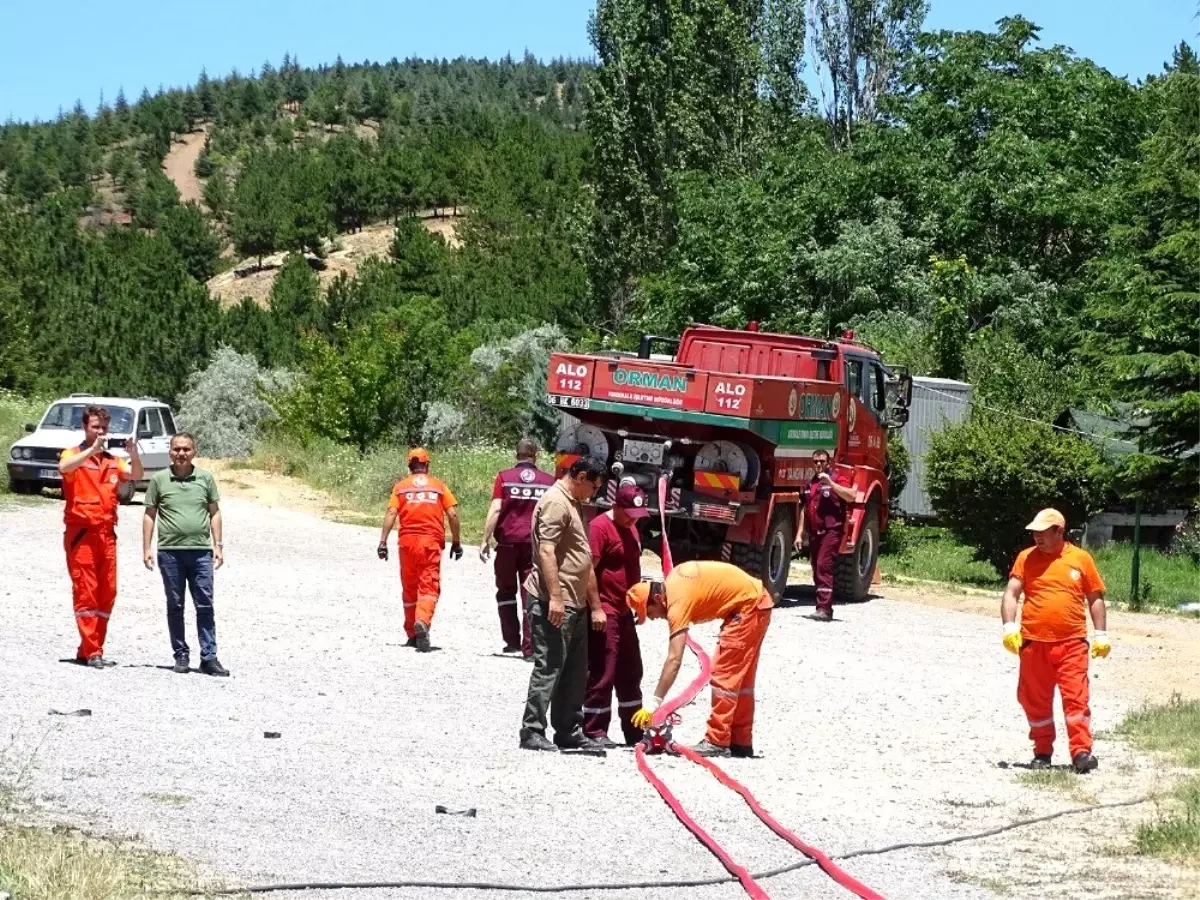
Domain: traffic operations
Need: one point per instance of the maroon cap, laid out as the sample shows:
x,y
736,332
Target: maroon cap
x,y
632,499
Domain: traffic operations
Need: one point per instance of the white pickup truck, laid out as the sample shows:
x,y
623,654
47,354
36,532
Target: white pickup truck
x,y
33,460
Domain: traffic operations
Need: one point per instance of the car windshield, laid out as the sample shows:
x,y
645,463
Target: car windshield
x,y
69,417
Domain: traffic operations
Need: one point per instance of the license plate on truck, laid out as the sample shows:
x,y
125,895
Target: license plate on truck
x,y
647,452
49,473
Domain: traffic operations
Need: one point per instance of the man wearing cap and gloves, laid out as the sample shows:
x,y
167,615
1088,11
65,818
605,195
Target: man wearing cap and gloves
x,y
419,503
614,656
1058,580
703,591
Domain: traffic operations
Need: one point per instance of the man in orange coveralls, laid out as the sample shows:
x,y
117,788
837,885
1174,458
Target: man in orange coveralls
x,y
419,502
91,478
702,591
1058,580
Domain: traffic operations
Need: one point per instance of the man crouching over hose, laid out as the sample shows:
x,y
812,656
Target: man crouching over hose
x,y
702,591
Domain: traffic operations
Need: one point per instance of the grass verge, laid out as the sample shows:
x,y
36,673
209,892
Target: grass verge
x,y
63,864
15,412
1171,730
362,483
1063,779
930,553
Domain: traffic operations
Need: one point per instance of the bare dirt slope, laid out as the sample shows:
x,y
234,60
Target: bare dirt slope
x,y
247,279
896,722
180,165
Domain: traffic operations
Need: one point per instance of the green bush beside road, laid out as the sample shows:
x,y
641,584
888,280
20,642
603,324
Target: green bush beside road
x,y
15,412
931,553
361,483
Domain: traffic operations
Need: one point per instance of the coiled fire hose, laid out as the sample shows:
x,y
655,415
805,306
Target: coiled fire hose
x,y
659,741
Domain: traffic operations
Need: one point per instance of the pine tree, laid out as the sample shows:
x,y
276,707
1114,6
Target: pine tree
x,y
1146,311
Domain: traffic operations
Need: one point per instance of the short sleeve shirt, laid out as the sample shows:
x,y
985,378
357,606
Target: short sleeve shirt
x,y
90,491
518,489
557,520
617,557
421,501
182,503
1056,589
823,508
705,590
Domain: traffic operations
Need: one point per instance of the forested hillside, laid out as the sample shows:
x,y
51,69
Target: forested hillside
x,y
976,204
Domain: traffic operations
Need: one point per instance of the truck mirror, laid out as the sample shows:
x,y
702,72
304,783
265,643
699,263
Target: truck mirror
x,y
30,428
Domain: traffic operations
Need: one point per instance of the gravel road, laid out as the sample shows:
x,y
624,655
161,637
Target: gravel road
x,y
887,725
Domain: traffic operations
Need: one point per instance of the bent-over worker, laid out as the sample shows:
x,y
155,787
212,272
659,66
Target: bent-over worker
x,y
702,591
1058,580
419,503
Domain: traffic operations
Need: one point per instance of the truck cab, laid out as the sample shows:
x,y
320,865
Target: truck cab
x,y
720,432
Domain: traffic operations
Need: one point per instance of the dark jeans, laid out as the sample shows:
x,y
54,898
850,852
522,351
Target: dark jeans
x,y
559,673
193,568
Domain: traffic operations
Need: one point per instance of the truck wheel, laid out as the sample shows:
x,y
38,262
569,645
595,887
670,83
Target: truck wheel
x,y
771,561
25,487
852,571
125,493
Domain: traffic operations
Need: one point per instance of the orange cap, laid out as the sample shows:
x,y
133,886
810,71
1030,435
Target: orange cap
x,y
636,598
418,455
1047,518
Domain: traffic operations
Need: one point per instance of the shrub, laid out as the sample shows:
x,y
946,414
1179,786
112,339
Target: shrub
x,y
510,381
899,465
989,476
445,424
225,406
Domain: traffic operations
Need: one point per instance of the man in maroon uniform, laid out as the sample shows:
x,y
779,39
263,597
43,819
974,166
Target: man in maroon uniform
x,y
614,655
515,493
823,510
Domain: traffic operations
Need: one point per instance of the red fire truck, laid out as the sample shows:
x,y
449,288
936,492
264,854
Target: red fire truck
x,y
732,418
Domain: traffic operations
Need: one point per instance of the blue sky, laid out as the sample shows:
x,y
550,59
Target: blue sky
x,y
53,53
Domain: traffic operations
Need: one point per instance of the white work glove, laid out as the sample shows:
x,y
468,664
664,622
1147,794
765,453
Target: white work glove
x,y
641,718
1100,644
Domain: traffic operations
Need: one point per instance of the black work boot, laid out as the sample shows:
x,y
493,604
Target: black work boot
x,y
183,665
1041,761
1084,763
95,662
603,741
213,667
741,751
704,748
422,637
411,642
577,741
536,741
822,615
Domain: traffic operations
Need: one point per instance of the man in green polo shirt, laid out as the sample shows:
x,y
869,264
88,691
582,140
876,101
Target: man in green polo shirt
x,y
183,500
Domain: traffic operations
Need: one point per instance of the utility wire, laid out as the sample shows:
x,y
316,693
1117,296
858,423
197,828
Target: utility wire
x,y
643,885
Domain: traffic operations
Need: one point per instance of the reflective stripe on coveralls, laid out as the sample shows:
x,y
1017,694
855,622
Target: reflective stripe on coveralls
x,y
667,710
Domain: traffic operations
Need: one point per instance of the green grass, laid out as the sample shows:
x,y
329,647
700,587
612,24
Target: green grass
x,y
931,554
1061,779
1171,730
361,484
15,412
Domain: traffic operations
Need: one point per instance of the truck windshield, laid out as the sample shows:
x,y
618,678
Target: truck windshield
x,y
69,417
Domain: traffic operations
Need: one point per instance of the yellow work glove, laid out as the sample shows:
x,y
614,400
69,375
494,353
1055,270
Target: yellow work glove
x,y
1012,638
641,718
1100,644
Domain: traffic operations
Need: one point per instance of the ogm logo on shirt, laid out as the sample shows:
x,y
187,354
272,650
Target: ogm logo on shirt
x,y
527,475
420,480
1076,574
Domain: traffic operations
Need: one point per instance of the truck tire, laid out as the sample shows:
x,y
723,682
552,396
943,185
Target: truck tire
x,y
125,493
852,571
25,487
771,561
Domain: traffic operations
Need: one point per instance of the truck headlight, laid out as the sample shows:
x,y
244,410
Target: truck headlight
x,y
26,453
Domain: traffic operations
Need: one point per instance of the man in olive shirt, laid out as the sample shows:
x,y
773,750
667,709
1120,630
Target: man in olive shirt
x,y
562,590
184,502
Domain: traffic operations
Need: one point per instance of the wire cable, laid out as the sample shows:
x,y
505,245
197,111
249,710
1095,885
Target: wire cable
x,y
644,885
